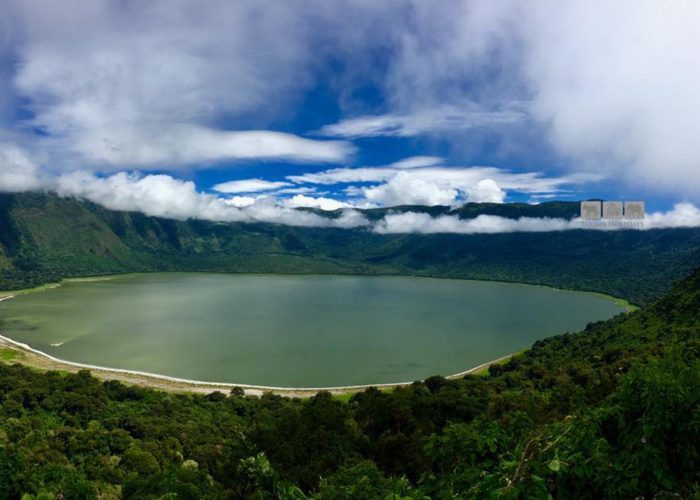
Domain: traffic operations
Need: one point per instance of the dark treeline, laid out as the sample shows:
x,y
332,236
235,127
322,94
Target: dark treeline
x,y
45,238
609,412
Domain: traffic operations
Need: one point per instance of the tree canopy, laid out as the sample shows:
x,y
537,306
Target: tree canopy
x,y
612,411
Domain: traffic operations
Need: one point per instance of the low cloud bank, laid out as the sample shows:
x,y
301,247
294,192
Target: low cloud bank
x,y
682,215
411,222
165,196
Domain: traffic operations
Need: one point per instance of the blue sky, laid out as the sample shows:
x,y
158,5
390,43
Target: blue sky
x,y
185,109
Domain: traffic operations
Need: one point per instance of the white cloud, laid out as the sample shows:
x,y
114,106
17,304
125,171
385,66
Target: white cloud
x,y
407,189
113,85
682,215
177,145
17,171
423,223
240,201
157,195
344,175
486,191
462,178
296,190
418,161
249,186
165,196
438,185
269,209
446,119
612,86
301,200
617,84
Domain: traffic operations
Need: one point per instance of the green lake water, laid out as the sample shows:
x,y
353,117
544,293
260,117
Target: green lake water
x,y
293,331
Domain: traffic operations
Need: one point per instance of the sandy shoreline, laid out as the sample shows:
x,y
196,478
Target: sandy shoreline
x,y
41,360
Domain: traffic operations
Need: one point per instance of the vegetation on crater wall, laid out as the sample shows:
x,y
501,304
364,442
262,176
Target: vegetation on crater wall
x,y
612,411
44,238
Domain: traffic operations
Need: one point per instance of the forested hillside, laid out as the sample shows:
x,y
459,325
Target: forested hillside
x,y
609,412
45,238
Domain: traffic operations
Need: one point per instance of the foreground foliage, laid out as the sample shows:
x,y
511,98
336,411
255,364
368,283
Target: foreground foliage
x,y
613,411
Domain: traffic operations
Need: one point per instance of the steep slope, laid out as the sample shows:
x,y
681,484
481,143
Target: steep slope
x,y
44,237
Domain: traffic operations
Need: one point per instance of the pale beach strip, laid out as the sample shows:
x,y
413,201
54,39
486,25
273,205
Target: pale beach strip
x,y
162,381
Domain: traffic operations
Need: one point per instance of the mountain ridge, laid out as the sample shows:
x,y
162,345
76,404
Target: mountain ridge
x,y
46,238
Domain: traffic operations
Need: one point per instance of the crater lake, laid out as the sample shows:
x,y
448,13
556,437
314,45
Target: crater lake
x,y
293,331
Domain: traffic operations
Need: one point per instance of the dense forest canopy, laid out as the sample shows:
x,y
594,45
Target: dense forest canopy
x,y
612,411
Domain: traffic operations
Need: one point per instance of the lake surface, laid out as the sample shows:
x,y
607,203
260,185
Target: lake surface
x,y
293,331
